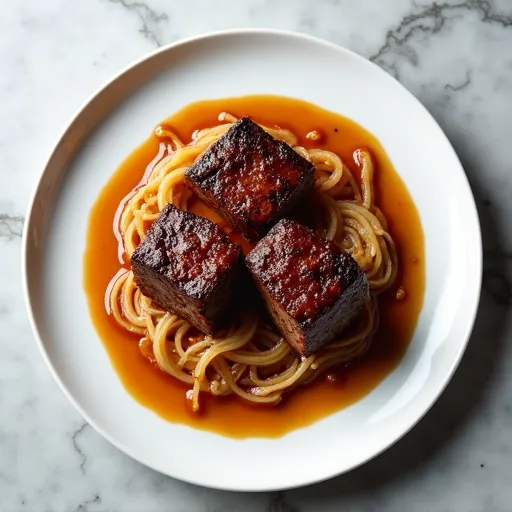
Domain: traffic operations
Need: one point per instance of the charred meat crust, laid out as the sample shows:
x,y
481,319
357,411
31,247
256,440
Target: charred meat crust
x,y
312,289
250,178
189,267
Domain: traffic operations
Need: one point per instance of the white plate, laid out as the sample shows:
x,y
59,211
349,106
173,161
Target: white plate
x,y
116,120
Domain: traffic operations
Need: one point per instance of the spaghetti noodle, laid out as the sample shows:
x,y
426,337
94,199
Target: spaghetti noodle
x,y
249,358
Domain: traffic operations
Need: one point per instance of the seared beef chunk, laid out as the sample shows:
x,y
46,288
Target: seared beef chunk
x,y
251,179
189,267
311,288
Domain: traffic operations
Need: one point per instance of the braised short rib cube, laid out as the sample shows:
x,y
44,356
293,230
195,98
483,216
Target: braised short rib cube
x,y
251,179
189,267
311,288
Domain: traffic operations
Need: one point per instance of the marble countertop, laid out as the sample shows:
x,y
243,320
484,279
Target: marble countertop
x,y
456,57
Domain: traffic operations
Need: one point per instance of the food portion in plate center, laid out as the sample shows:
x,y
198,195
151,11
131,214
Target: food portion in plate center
x,y
185,325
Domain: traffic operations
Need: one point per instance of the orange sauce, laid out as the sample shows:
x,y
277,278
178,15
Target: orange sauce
x,y
229,415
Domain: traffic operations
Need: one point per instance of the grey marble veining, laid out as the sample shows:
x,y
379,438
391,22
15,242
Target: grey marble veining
x,y
456,57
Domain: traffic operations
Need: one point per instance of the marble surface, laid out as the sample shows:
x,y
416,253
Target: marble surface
x,y
456,57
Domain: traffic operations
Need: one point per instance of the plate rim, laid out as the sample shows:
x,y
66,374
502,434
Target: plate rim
x,y
243,32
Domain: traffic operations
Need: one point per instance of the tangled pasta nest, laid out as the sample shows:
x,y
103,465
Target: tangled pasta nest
x,y
249,358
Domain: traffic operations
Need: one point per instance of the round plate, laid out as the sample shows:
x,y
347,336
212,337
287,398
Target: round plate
x,y
116,120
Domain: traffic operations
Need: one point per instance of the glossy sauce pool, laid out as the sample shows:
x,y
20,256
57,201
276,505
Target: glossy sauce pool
x,y
229,415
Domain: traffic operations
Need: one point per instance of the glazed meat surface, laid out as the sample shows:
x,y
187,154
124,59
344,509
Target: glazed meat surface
x,y
311,288
251,179
189,267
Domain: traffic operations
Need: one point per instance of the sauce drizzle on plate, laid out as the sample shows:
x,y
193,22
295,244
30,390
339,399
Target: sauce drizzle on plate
x,y
399,307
